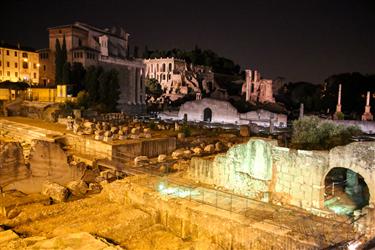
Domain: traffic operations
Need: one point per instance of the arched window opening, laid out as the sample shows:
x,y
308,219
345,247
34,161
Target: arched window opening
x,y
207,115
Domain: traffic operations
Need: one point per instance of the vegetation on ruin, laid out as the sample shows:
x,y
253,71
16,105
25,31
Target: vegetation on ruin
x,y
153,88
312,133
197,56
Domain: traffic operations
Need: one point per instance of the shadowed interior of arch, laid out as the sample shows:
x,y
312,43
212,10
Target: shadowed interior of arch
x,y
207,115
345,191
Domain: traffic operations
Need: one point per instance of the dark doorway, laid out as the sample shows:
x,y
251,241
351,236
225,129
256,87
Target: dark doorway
x,y
207,115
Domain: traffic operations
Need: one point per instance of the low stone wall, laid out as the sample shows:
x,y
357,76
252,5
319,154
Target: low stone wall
x,y
260,169
24,132
120,150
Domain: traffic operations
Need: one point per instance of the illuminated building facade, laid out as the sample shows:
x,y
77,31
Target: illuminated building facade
x,y
92,46
19,64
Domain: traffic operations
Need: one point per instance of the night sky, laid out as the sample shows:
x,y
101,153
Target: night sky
x,y
298,40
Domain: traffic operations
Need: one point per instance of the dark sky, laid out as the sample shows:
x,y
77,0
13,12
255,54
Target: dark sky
x,y
297,39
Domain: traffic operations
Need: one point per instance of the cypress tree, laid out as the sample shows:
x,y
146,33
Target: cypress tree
x,y
64,54
58,62
66,73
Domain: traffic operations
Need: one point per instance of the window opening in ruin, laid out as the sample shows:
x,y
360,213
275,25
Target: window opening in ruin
x,y
345,191
207,115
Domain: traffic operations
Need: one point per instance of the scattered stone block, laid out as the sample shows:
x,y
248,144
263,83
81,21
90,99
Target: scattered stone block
x,y
210,148
146,130
163,169
177,127
95,187
187,153
180,136
55,191
244,131
77,188
141,159
7,236
219,146
135,131
162,158
134,136
197,150
179,153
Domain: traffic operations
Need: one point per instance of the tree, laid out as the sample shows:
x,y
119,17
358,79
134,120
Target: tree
x,y
64,53
66,73
312,133
136,52
58,62
153,88
77,76
354,88
101,89
114,91
83,99
146,53
61,58
91,83
109,92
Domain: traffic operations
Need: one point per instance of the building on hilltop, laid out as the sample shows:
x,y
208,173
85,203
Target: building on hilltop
x,y
92,46
256,88
19,64
177,78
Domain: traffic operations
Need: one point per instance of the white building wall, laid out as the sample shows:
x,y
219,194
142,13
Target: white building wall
x,y
223,112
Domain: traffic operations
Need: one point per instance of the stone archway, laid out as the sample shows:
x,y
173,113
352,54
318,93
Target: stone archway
x,y
345,190
357,157
207,115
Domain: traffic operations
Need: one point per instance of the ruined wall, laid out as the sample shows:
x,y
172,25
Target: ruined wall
x,y
87,145
12,165
149,148
47,161
298,175
260,169
127,149
25,132
243,173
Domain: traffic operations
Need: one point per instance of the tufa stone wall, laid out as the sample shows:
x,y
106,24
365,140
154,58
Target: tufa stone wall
x,y
260,169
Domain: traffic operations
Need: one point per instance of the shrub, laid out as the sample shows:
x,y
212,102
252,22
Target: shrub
x,y
152,125
186,130
83,99
66,108
312,133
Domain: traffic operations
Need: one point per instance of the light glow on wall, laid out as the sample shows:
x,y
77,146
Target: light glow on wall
x,y
181,192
